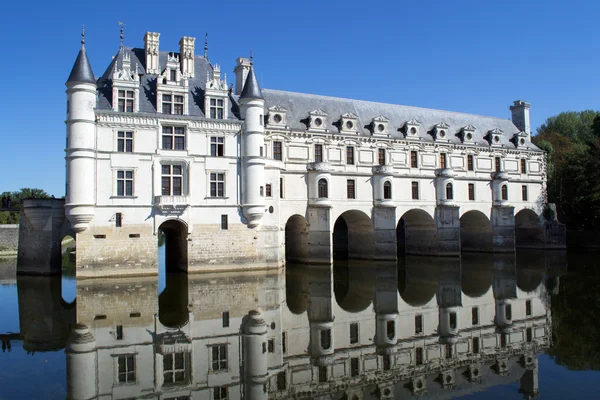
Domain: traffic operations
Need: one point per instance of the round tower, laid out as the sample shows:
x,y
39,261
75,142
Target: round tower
x,y
81,132
252,108
81,364
255,356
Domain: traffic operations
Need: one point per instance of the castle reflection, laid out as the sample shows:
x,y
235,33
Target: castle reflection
x,y
432,327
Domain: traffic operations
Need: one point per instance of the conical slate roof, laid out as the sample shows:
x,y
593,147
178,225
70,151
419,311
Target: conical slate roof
x,y
251,89
82,69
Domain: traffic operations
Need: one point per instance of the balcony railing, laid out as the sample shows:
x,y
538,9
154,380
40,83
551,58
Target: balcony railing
x,y
172,203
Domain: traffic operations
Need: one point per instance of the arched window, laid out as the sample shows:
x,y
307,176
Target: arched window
x,y
504,192
387,190
449,192
322,188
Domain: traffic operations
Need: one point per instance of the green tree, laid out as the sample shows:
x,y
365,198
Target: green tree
x,y
16,198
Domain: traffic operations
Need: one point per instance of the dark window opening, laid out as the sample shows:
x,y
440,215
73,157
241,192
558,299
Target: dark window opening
x,y
414,161
326,339
350,155
277,151
322,188
354,366
449,192
225,317
453,320
418,324
318,153
387,190
415,190
471,191
390,329
353,333
475,316
118,220
470,164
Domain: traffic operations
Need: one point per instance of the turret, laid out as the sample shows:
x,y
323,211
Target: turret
x,y
81,364
81,129
252,106
255,356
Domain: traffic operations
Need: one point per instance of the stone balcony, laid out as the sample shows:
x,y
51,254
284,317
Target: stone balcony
x,y
318,166
172,203
383,170
500,176
444,173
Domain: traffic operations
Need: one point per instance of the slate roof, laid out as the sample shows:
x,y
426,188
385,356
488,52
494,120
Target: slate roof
x,y
82,69
251,89
299,105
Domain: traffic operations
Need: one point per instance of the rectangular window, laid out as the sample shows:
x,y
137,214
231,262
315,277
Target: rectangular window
x,y
318,153
124,183
281,188
381,156
326,339
387,362
448,350
271,345
281,381
354,371
125,100
442,160
219,357
528,308
260,151
268,190
224,222
354,333
262,191
529,335
220,393
173,138
414,160
508,311
475,316
277,151
217,184
350,189
475,345
167,104
452,320
217,146
523,166
498,164
225,318
118,220
390,329
175,366
415,190
126,365
172,180
350,155
419,356
124,142
119,332
418,324
322,374
471,191
524,192
173,75
217,108
470,166
503,340
178,105
284,342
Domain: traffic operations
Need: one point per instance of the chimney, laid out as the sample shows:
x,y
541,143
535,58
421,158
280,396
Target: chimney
x,y
186,56
520,116
151,46
241,72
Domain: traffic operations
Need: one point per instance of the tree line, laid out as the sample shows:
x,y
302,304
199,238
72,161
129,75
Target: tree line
x,y
16,199
572,142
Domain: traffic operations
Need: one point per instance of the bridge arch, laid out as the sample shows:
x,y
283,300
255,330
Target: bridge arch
x,y
529,231
475,232
353,236
416,233
296,239
175,234
477,274
353,286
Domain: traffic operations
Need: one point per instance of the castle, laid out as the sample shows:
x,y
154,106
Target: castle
x,y
243,177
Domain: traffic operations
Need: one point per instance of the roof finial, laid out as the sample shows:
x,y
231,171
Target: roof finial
x,y
122,36
251,57
82,36
206,46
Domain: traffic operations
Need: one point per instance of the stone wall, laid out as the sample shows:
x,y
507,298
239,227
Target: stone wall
x,y
9,238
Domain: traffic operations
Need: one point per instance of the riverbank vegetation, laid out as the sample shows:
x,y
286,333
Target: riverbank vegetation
x,y
16,200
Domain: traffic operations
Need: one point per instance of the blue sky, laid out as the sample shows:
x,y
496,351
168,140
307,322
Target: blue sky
x,y
469,56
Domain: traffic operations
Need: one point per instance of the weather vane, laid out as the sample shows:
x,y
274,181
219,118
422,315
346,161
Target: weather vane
x,y
122,36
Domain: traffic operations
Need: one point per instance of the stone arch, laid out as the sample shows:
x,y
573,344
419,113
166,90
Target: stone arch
x,y
296,288
175,234
296,239
353,286
416,233
418,280
477,274
529,231
353,236
68,254
475,232
173,302
323,189
387,189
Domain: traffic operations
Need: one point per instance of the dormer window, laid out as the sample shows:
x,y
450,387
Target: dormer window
x,y
348,123
172,104
125,100
411,129
216,101
467,134
317,120
493,137
440,131
520,139
277,116
173,75
172,89
217,108
379,125
126,86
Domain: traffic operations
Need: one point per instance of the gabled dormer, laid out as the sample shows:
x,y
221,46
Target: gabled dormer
x,y
216,100
493,137
379,126
317,120
411,129
467,134
520,139
277,116
172,89
126,86
348,123
440,131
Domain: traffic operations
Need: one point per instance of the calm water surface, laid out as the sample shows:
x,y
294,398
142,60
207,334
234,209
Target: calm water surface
x,y
481,327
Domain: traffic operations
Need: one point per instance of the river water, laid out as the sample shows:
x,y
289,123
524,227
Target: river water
x,y
478,327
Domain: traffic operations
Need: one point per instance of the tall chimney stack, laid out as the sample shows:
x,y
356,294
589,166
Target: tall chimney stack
x,y
151,46
241,72
520,116
186,56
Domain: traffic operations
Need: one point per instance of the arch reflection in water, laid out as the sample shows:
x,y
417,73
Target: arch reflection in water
x,y
355,329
